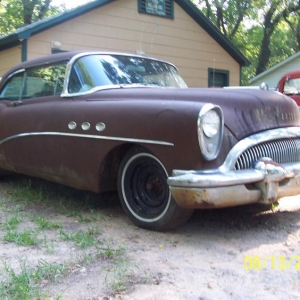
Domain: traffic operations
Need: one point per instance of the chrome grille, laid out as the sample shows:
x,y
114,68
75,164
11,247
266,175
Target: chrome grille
x,y
281,151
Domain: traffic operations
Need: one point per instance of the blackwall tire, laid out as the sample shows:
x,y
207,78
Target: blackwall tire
x,y
144,192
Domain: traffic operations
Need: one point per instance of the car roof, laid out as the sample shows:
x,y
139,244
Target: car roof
x,y
292,73
65,56
48,59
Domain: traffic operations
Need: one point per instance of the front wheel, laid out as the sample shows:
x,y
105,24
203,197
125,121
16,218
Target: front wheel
x,y
144,192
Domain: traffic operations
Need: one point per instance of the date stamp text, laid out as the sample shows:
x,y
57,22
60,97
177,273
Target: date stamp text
x,y
273,262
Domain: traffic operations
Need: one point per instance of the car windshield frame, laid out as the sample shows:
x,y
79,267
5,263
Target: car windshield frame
x,y
90,72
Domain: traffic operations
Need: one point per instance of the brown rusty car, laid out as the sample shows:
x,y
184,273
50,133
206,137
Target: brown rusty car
x,y
105,121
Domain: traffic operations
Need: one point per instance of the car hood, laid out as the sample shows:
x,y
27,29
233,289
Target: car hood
x,y
246,111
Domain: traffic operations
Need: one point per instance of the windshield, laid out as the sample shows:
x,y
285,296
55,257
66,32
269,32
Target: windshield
x,y
93,71
292,86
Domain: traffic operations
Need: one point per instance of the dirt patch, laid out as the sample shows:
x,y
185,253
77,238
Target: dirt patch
x,y
219,254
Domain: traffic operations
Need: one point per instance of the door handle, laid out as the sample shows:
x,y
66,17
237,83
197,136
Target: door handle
x,y
17,103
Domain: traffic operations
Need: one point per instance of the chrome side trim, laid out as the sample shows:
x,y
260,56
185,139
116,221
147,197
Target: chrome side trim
x,y
88,136
246,143
14,73
66,94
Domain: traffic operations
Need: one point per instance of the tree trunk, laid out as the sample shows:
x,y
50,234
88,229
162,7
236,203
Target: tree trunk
x,y
298,33
265,52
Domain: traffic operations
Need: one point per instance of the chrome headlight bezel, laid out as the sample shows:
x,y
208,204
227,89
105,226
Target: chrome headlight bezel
x,y
210,128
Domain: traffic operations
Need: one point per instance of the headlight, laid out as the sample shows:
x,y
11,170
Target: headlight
x,y
210,130
211,123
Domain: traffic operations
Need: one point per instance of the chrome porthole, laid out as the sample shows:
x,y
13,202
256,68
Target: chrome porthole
x,y
72,125
85,126
100,126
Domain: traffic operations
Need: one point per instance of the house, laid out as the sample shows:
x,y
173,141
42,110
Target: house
x,y
272,75
172,30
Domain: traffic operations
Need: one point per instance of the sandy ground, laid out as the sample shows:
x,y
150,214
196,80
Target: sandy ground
x,y
218,254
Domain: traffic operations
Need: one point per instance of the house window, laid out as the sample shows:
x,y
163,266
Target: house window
x,y
162,8
218,78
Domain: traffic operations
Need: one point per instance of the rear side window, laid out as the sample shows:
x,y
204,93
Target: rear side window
x,y
13,88
37,82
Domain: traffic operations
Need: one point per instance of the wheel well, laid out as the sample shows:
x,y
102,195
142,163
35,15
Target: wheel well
x,y
109,168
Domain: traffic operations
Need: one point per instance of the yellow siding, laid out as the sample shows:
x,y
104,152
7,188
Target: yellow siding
x,y
9,58
119,27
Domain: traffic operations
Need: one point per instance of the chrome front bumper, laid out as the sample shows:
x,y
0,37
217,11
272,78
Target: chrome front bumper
x,y
226,186
215,189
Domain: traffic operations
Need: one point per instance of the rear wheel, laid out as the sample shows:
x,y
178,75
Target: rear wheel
x,y
144,192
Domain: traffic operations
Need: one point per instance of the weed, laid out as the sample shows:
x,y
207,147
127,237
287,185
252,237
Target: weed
x,y
274,206
24,238
117,276
12,222
83,219
49,245
18,285
109,252
80,238
25,284
45,224
14,208
48,271
25,192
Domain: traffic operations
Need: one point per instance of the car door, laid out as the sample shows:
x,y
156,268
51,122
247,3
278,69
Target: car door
x,y
30,123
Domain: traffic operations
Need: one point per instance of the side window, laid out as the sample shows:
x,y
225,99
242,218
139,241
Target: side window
x,y
38,82
46,81
13,88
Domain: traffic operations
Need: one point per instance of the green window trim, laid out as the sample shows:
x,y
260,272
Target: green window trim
x,y
160,8
218,78
24,50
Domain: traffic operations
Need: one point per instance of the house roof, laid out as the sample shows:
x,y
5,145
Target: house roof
x,y
275,67
13,39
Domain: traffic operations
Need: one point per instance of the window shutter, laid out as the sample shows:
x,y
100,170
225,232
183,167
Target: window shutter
x,y
167,13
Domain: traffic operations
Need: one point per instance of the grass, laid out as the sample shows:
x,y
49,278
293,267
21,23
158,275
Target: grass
x,y
28,224
116,278
24,238
43,223
12,222
26,193
25,284
82,239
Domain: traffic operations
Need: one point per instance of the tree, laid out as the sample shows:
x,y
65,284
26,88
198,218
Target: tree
x,y
17,13
275,11
293,20
258,28
34,9
227,15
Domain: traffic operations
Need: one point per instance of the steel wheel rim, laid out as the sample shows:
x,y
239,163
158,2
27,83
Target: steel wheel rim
x,y
146,193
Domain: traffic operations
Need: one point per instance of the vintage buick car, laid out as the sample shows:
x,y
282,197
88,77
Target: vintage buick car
x,y
106,121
